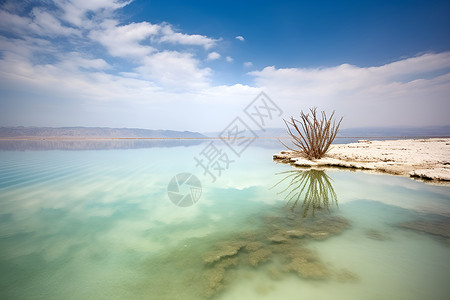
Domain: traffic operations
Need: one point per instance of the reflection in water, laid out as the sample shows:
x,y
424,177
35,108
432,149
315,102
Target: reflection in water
x,y
315,185
125,143
94,144
99,225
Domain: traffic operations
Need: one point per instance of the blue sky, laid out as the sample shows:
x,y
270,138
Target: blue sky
x,y
195,65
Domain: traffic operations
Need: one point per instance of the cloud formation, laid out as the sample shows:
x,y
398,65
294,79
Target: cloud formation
x,y
78,63
170,36
125,41
75,63
75,12
410,91
213,56
92,24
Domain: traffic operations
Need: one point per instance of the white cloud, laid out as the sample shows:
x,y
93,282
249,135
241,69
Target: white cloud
x,y
75,61
170,36
125,41
213,56
85,86
10,22
174,70
240,37
95,5
75,11
248,64
39,22
73,76
26,48
137,44
406,92
148,79
162,98
47,25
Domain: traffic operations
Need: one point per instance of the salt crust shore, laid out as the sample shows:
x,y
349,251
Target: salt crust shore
x,y
420,158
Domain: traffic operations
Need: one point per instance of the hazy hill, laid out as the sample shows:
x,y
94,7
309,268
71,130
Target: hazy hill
x,y
106,132
438,131
267,132
93,144
429,131
93,132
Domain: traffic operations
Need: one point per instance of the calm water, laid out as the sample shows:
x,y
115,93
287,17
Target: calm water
x,y
98,224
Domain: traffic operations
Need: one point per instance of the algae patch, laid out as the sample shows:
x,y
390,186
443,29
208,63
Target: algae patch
x,y
376,235
281,244
277,248
438,228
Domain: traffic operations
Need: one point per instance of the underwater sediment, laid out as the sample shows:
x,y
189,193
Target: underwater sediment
x,y
204,267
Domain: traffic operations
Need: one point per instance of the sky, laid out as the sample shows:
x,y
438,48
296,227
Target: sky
x,y
196,65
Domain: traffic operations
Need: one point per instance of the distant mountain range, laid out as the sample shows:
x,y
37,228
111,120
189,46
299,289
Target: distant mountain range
x,y
37,144
92,132
438,131
106,132
429,131
267,132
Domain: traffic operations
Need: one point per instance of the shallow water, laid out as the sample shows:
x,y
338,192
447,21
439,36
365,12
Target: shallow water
x,y
98,224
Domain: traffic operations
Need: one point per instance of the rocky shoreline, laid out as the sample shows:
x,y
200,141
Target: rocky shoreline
x,y
427,159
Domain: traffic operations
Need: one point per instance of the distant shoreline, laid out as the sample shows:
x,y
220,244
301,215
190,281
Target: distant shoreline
x,y
59,138
63,138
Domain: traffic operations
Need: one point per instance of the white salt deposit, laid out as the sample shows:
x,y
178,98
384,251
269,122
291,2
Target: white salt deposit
x,y
422,158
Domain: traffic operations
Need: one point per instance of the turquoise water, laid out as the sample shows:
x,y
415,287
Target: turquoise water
x,y
98,224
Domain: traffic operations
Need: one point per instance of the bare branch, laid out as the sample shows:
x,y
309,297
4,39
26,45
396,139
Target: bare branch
x,y
312,136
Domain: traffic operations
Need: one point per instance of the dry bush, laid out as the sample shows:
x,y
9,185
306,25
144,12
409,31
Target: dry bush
x,y
312,136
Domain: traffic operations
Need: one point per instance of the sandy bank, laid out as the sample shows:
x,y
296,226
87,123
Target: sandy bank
x,y
420,158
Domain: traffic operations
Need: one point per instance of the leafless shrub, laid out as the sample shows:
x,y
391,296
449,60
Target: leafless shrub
x,y
311,136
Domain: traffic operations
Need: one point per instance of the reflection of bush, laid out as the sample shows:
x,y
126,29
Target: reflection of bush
x,y
316,187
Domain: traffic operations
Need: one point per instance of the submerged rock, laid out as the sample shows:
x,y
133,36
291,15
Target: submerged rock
x,y
248,235
332,225
298,233
346,276
259,256
275,273
278,238
253,246
319,235
214,277
437,228
225,250
376,235
317,228
306,264
278,247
